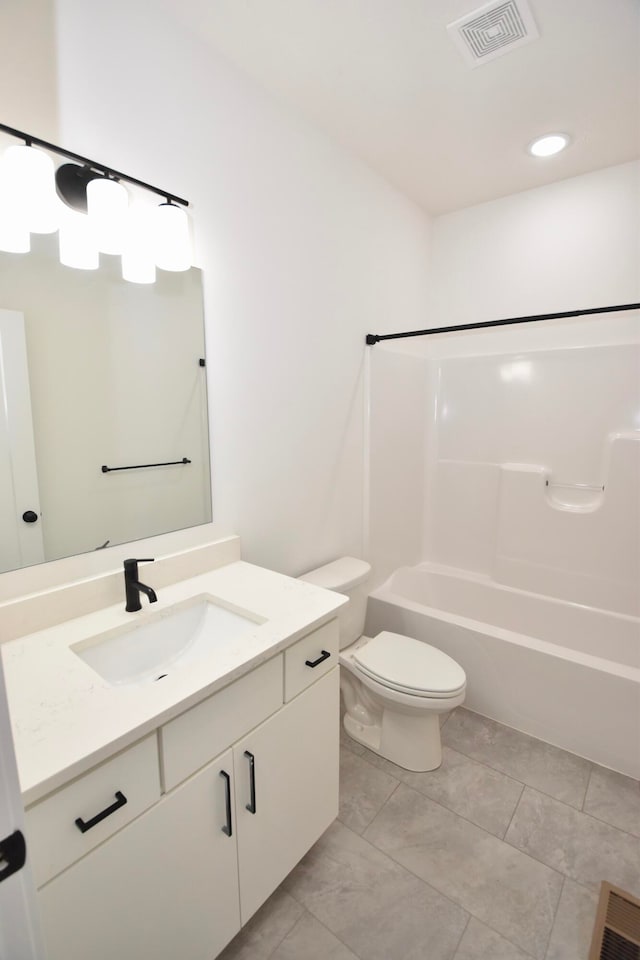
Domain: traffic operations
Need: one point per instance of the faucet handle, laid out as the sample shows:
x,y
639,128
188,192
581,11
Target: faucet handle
x,y
131,565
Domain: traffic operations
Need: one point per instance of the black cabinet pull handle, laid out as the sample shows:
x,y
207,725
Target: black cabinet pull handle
x,y
314,663
228,827
13,854
251,806
83,826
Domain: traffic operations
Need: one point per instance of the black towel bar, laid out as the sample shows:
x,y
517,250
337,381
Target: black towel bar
x,y
143,466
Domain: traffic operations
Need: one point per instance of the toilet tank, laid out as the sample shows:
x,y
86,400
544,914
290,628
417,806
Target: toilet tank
x,y
350,576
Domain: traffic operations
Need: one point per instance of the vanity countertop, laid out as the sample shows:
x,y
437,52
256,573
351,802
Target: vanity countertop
x,y
66,718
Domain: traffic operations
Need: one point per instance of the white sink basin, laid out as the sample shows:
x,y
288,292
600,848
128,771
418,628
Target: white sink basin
x,y
144,652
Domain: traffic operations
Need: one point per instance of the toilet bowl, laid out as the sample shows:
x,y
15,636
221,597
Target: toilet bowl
x,y
394,687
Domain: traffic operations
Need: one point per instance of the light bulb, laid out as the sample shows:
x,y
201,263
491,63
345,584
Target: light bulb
x,y
14,235
138,260
107,206
28,175
171,237
77,243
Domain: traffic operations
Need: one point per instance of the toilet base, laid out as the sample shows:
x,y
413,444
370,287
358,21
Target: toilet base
x,y
411,742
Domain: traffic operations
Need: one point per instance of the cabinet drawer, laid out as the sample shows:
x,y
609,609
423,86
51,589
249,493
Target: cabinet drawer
x,y
298,673
197,736
104,800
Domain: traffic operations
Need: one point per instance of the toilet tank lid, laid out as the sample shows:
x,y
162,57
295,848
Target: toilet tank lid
x,y
340,575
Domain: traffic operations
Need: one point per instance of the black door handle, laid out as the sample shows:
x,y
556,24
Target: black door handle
x,y
228,827
314,663
13,854
29,516
84,826
251,806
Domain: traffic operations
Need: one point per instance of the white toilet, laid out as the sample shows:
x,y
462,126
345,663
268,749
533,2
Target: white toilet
x,y
394,687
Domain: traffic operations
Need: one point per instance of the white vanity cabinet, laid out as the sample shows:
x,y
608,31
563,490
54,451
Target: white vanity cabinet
x,y
249,783
164,887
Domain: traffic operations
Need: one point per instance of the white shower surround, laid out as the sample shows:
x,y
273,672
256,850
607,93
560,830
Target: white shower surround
x,y
564,672
505,522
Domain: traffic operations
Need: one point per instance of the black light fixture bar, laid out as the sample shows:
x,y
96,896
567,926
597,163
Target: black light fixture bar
x,y
98,167
372,338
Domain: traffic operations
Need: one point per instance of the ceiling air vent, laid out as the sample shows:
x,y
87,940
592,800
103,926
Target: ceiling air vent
x,y
493,30
616,935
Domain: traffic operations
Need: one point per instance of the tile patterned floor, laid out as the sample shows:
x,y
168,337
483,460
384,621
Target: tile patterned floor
x,y
495,856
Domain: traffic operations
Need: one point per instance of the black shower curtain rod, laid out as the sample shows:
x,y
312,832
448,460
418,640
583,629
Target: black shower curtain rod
x,y
375,337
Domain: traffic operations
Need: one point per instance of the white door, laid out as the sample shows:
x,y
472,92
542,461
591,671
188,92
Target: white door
x,y
21,540
20,937
287,795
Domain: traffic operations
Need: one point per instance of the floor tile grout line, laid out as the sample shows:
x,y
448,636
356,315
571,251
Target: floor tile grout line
x,y
523,783
586,789
480,763
375,817
446,896
288,933
593,764
607,823
457,903
448,717
455,814
438,804
517,780
527,737
543,863
406,869
338,938
555,916
508,940
565,876
367,825
513,814
461,938
284,937
443,806
387,856
583,813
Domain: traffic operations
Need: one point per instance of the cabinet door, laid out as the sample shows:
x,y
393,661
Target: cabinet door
x,y
166,886
295,789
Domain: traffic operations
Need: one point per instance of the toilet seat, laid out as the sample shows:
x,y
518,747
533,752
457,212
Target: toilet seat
x,y
397,662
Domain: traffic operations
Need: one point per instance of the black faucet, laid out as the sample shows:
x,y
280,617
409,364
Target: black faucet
x,y
132,586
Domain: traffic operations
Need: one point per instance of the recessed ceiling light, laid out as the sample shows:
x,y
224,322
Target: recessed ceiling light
x,y
549,145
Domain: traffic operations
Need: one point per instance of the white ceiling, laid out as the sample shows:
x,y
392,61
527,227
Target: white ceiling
x,y
384,78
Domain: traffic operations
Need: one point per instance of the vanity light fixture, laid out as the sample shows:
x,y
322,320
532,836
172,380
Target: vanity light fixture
x,y
14,235
171,237
548,145
107,209
76,242
89,205
28,176
138,255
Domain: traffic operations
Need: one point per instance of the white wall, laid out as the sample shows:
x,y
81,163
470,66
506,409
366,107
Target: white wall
x,y
303,251
28,99
566,246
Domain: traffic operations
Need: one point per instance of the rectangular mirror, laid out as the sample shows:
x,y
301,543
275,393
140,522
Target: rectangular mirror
x,y
97,372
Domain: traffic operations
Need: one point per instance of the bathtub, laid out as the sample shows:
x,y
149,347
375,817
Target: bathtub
x,y
564,672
